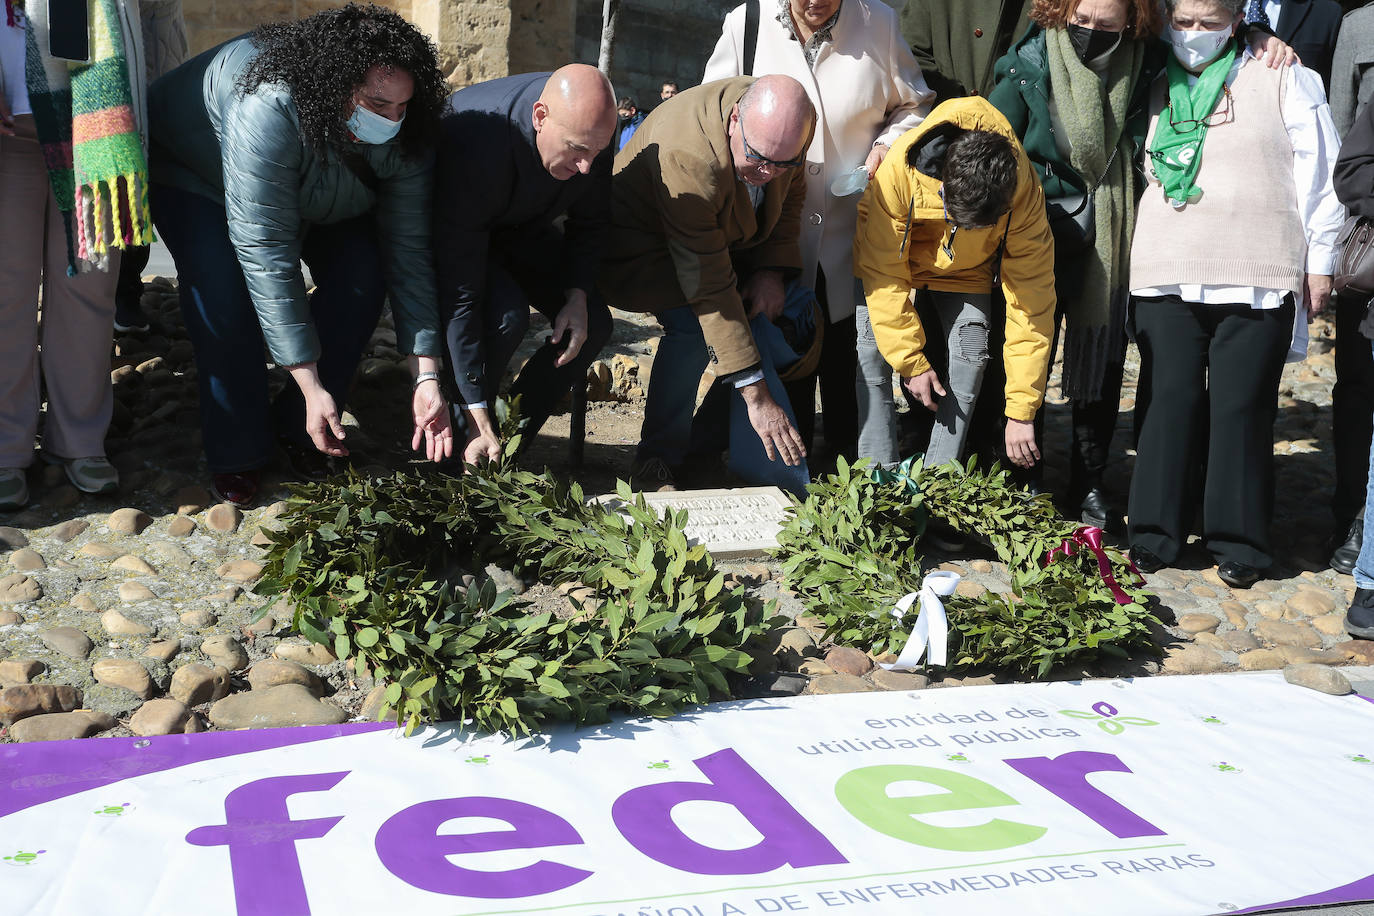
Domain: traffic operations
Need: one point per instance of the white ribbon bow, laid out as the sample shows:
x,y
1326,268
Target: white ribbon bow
x,y
932,628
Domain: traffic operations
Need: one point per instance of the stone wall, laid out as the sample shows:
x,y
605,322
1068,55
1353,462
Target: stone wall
x,y
477,39
655,40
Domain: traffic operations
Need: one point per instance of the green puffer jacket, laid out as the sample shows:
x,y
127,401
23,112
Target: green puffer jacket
x,y
247,152
1022,94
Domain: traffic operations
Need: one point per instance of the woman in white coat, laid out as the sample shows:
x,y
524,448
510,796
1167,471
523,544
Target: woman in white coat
x,y
867,91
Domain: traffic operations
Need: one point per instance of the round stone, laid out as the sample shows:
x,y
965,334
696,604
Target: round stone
x,y
275,707
1282,633
98,551
240,571
1319,678
199,618
1261,660
1312,602
67,641
967,588
164,717
980,566
19,670
1270,610
1356,650
794,645
132,592
10,618
35,699
838,683
27,560
1297,655
125,673
18,588
304,653
132,564
374,705
70,529
128,521
117,624
170,554
1329,624
12,538
225,651
181,526
194,684
62,726
163,651
1192,659
1235,613
223,518
847,660
84,601
225,594
814,667
273,672
899,680
1240,641
1198,623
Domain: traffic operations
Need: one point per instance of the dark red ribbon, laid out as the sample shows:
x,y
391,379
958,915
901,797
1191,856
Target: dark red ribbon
x,y
1090,537
9,13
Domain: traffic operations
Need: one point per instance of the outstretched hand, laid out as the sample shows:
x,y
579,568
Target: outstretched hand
x,y
433,424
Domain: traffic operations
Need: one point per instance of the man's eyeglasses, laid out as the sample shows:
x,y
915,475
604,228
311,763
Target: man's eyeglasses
x,y
1188,125
754,155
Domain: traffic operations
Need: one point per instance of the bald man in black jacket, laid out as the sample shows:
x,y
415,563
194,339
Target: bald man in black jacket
x,y
522,205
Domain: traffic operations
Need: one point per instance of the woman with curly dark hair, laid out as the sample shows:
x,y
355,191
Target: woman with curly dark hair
x,y
308,140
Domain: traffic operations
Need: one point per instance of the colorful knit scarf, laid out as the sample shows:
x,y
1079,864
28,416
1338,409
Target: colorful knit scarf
x,y
91,145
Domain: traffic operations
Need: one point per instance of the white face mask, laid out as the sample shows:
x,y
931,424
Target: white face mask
x,y
1194,49
370,127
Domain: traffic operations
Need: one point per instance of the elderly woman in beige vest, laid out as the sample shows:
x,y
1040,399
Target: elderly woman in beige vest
x,y
1235,235
867,92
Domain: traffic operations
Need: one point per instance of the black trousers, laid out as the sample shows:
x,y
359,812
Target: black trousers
x,y
1214,377
1352,410
518,276
1094,422
129,287
838,373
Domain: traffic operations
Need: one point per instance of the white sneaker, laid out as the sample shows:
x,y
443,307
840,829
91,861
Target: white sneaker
x,y
92,475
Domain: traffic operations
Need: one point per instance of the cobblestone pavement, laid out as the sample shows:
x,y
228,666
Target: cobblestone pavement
x,y
132,614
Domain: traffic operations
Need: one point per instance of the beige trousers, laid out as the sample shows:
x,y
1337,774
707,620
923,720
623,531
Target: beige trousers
x,y
77,318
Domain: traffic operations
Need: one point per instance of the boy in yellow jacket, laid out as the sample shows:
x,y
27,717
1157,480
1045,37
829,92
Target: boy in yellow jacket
x,y
952,196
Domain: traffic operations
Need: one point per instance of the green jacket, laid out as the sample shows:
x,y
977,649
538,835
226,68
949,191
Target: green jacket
x,y
1022,94
956,42
247,152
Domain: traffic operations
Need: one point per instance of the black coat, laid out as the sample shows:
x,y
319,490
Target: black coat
x,y
492,192
1311,26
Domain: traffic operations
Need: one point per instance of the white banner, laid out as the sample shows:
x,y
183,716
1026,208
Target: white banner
x,y
1180,795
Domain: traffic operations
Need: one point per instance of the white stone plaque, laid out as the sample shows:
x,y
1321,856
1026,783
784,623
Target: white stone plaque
x,y
731,523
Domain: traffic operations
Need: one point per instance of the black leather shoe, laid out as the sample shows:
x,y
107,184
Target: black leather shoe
x,y
1145,561
1344,556
1238,575
1095,509
307,462
1359,620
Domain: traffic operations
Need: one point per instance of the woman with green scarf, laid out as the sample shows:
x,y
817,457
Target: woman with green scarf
x,y
1222,288
1075,89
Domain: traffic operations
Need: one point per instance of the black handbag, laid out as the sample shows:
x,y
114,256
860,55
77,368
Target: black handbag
x,y
1355,267
1073,217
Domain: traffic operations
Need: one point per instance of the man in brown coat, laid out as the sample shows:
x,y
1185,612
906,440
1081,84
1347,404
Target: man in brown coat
x,y
706,208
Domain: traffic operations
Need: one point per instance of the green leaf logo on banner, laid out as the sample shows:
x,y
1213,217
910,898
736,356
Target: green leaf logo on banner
x,y
1107,718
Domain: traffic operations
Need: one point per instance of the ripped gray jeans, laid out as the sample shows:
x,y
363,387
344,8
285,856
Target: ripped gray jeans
x,y
964,321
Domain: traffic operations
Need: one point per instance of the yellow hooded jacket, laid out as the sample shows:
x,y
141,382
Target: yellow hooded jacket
x,y
900,246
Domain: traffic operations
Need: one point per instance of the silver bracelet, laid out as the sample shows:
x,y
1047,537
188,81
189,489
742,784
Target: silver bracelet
x,y
424,377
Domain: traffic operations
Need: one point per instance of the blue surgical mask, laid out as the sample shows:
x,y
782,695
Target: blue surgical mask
x,y
370,127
